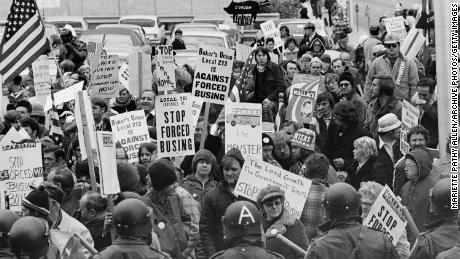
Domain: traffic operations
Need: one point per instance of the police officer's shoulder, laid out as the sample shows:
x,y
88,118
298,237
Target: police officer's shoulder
x,y
276,255
160,254
216,255
319,237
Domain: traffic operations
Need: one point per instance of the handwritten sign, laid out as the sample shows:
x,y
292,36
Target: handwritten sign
x,y
42,80
108,163
165,69
130,129
396,26
213,74
104,82
20,167
270,30
174,120
410,115
412,43
386,215
243,128
65,95
302,101
256,175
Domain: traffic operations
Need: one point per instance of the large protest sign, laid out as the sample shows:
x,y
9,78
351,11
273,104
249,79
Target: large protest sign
x,y
166,76
386,215
412,43
396,26
302,98
410,115
130,129
304,138
42,80
270,30
20,167
257,174
65,95
213,74
107,163
123,75
243,128
140,73
95,51
104,82
174,125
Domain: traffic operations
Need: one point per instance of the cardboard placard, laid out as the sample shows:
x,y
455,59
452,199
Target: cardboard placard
x,y
42,80
270,30
396,25
84,108
107,163
20,167
412,43
175,136
65,95
302,99
130,129
104,82
409,119
123,75
304,138
257,174
95,51
213,74
197,104
243,128
386,215
166,75
140,75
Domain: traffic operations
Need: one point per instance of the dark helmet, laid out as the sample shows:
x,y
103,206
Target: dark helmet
x,y
242,218
131,218
342,200
7,219
29,235
440,198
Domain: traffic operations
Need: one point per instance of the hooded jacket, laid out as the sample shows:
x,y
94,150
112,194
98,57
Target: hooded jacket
x,y
317,53
415,193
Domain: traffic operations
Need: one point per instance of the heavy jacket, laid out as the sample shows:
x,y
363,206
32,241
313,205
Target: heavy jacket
x,y
196,188
130,249
442,235
429,120
415,193
274,83
405,84
71,225
377,109
345,239
383,169
291,228
246,252
96,227
75,51
130,105
360,106
452,253
313,214
364,174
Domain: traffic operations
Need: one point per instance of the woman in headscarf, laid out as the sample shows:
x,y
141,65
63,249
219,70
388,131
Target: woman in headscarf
x,y
124,103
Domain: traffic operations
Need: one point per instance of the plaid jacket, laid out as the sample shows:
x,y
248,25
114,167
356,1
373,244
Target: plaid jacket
x,y
313,214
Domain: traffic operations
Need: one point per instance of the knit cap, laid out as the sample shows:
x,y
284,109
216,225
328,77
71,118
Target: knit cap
x,y
162,174
236,154
37,200
206,155
347,76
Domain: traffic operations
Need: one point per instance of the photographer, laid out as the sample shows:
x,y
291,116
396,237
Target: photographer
x,y
75,50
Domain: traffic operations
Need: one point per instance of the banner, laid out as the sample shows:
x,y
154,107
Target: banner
x,y
130,129
20,167
412,43
166,75
140,75
243,128
107,163
42,80
409,119
270,30
123,75
65,95
257,174
173,122
386,215
213,74
104,82
396,25
302,99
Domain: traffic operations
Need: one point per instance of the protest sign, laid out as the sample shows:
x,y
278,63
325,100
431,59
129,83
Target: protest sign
x,y
243,128
65,95
268,127
396,26
386,215
412,43
197,104
257,174
410,115
123,75
84,119
302,98
301,78
213,74
48,3
174,118
140,75
166,76
104,82
107,163
42,80
242,52
130,129
270,30
304,138
20,167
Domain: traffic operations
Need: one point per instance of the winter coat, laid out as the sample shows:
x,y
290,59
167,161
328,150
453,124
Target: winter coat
x,y
415,193
130,249
383,169
360,107
452,253
442,235
290,54
375,111
274,83
76,51
313,214
292,229
342,238
124,107
429,120
196,188
405,86
364,174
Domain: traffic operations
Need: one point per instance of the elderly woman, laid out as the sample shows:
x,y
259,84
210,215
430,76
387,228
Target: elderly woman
x,y
365,156
277,220
369,192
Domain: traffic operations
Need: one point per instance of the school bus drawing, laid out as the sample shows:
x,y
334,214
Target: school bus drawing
x,y
244,117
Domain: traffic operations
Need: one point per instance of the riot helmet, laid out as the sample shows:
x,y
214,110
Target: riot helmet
x,y
131,218
341,201
29,236
242,219
440,198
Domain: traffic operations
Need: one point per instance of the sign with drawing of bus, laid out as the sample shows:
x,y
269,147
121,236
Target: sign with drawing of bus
x,y
243,116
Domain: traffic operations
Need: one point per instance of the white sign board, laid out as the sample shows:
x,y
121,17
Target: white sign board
x,y
409,119
104,82
197,104
243,128
412,43
140,75
65,95
48,3
84,112
257,174
42,80
396,26
270,30
165,69
130,129
123,75
386,215
213,74
107,164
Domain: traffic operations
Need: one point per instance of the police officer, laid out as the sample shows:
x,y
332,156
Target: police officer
x,y
443,232
74,49
131,220
345,236
7,219
243,232
29,237
454,252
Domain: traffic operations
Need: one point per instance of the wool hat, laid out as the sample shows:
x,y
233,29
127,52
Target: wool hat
x,y
235,153
206,155
346,110
326,58
37,200
347,76
54,192
162,174
267,140
388,122
268,193
374,30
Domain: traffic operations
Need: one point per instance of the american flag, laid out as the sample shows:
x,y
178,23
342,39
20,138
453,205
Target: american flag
x,y
55,127
94,52
24,39
237,94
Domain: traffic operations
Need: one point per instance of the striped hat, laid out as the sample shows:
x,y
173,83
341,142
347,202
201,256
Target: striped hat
x,y
37,200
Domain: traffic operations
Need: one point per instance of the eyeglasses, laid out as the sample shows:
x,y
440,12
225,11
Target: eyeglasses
x,y
315,67
344,85
391,46
271,203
